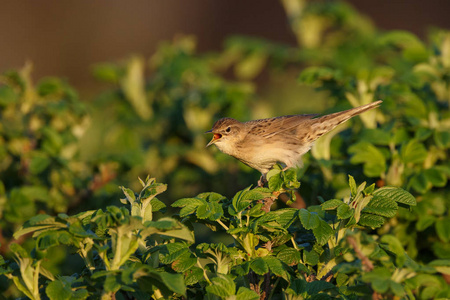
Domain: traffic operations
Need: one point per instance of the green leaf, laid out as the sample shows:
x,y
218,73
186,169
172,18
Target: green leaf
x,y
203,211
296,287
352,184
112,283
422,133
377,273
381,205
184,262
395,246
256,211
413,48
153,189
425,221
420,183
108,72
441,265
331,204
290,180
49,239
275,182
188,201
400,136
36,192
39,162
129,194
442,139
372,158
285,216
436,177
341,279
323,232
244,198
174,282
289,256
222,286
194,275
376,136
168,227
397,288
259,266
189,205
413,152
381,286
370,220
217,211
212,197
397,194
246,294
80,294
315,287
275,265
251,64
344,211
369,190
309,220
311,257
443,229
313,75
56,290
7,95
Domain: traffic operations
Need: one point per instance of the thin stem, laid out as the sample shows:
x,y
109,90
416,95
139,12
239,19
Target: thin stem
x,y
204,271
36,281
273,288
118,251
294,243
365,260
222,224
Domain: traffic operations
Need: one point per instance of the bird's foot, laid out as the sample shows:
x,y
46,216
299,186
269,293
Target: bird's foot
x,y
262,181
285,168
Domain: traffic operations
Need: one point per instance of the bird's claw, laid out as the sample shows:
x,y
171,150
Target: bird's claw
x,y
262,181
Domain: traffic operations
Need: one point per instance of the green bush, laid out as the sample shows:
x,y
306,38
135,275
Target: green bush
x,y
322,250
40,127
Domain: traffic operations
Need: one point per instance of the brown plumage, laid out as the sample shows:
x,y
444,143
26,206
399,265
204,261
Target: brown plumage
x,y
262,143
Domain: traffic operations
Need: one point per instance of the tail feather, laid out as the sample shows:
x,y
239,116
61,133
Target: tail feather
x,y
326,123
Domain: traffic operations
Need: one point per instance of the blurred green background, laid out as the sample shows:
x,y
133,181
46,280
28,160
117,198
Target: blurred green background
x,y
64,38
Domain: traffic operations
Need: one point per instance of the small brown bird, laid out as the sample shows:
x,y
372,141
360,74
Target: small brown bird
x,y
262,143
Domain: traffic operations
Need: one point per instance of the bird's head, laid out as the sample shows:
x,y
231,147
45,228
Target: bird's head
x,y
227,132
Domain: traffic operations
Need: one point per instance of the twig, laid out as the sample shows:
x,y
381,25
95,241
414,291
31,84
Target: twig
x,y
327,277
376,296
266,291
266,284
269,201
311,278
267,204
365,260
253,281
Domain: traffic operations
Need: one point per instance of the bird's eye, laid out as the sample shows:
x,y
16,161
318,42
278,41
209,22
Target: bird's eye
x,y
228,129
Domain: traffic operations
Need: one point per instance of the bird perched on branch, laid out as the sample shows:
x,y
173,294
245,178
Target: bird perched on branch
x,y
262,143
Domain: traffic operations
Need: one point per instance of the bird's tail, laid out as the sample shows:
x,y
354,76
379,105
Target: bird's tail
x,y
326,123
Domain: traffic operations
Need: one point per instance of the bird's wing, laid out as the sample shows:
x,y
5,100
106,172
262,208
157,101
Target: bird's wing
x,y
268,128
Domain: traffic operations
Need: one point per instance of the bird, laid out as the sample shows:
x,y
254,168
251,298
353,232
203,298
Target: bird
x,y
262,143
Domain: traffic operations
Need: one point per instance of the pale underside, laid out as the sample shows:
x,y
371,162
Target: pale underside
x,y
283,139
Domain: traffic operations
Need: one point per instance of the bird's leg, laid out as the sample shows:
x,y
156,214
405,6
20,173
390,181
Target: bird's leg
x,y
285,168
262,181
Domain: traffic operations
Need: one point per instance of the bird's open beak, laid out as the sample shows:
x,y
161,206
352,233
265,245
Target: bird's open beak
x,y
215,138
